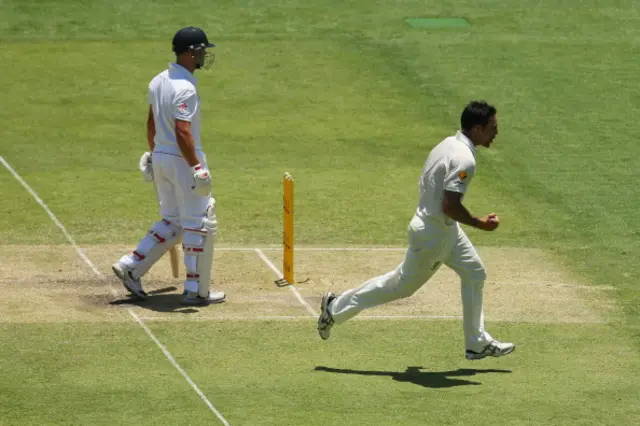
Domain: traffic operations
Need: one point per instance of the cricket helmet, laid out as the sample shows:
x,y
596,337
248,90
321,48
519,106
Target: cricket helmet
x,y
193,39
190,38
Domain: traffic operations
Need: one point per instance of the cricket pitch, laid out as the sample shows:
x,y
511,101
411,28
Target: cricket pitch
x,y
51,283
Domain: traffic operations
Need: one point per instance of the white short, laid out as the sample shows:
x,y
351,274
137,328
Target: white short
x,y
174,182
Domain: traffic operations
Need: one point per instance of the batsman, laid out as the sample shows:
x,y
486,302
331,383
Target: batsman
x,y
178,167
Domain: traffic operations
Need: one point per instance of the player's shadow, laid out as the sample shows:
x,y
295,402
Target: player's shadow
x,y
160,300
428,379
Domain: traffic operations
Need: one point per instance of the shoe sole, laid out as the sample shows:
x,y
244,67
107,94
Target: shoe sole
x,y
323,308
142,295
476,357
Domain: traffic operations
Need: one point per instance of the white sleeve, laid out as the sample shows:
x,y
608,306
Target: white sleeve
x,y
459,175
150,95
185,105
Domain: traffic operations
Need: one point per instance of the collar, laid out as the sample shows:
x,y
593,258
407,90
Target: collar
x,y
183,72
462,138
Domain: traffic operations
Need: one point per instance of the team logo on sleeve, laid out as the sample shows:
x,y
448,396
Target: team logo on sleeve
x,y
183,107
460,179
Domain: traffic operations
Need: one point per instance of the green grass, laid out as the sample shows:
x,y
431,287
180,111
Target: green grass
x,y
89,373
106,374
545,384
349,99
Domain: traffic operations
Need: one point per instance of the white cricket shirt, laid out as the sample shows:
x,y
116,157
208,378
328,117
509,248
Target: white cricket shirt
x,y
173,96
450,166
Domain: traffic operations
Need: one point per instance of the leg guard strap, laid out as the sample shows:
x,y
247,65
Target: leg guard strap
x,y
162,236
198,244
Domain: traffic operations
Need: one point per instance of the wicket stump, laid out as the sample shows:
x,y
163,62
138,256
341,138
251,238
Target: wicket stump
x,y
287,231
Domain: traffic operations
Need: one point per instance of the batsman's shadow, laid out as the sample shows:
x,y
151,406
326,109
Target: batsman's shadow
x,y
160,300
428,379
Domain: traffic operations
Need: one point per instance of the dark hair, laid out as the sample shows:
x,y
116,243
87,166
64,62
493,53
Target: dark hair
x,y
476,113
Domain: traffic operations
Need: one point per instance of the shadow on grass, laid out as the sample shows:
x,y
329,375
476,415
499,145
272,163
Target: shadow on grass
x,y
159,301
428,379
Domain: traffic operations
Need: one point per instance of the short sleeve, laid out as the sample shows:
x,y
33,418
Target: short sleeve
x,y
459,175
185,105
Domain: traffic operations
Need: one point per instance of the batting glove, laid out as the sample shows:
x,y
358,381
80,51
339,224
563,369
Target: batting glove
x,y
202,179
146,167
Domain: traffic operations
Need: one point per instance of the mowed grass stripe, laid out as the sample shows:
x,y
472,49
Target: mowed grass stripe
x,y
565,90
408,372
90,373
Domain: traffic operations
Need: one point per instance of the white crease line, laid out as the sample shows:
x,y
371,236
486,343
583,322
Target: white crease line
x,y
229,318
313,248
284,318
51,215
115,293
563,285
177,366
291,317
417,317
291,286
402,249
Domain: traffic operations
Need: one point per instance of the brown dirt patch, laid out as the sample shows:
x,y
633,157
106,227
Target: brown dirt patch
x,y
50,283
242,275
523,285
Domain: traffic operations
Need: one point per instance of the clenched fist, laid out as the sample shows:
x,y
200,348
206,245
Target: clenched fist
x,y
490,222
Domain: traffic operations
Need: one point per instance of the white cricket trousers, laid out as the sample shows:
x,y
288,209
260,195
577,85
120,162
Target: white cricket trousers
x,y
431,244
186,216
174,182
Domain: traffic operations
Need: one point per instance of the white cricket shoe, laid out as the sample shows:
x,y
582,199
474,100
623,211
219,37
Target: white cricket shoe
x,y
132,284
494,348
193,298
325,320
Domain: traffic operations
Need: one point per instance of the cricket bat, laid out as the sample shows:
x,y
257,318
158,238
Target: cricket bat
x,y
173,257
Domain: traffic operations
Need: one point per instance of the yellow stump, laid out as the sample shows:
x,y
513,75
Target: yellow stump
x,y
287,235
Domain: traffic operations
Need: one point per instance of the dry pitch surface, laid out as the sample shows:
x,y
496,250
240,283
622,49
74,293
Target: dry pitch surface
x,y
51,283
